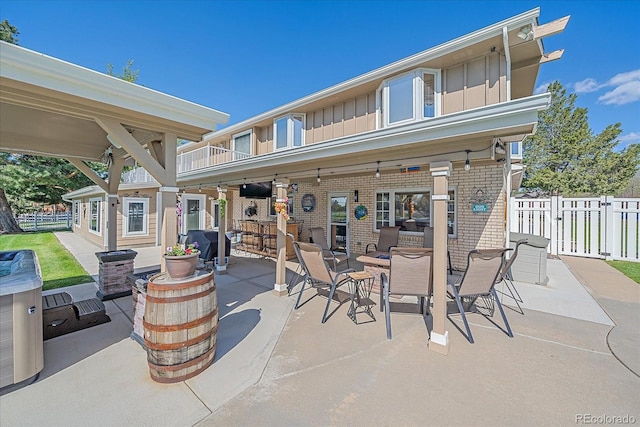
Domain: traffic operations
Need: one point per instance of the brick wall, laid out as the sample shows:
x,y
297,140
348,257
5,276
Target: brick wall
x,y
475,230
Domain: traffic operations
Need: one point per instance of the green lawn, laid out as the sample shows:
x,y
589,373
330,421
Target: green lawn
x,y
59,268
628,268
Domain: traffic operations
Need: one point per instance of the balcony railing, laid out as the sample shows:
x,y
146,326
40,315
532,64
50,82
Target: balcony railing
x,y
186,162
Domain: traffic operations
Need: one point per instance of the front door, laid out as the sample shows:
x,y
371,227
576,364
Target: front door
x,y
193,212
338,233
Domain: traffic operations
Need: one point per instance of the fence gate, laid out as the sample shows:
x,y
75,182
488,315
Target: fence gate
x,y
601,227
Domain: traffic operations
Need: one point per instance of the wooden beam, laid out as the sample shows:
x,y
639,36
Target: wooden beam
x,y
550,28
551,56
115,170
82,166
133,147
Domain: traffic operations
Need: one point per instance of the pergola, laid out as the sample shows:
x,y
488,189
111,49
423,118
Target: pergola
x,y
53,108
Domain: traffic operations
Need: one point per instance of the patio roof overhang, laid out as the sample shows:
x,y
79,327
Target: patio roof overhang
x,y
439,139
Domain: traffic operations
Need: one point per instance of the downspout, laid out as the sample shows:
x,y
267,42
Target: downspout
x,y
507,54
507,205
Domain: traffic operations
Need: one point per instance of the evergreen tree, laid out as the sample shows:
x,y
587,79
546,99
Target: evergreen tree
x,y
565,156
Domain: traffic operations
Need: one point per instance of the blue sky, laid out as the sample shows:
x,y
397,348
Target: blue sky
x,y
247,57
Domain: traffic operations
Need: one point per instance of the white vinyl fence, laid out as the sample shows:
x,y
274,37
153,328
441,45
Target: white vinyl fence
x,y
600,227
44,221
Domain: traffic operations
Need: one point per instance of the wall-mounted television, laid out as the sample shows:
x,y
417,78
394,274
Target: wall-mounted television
x,y
256,190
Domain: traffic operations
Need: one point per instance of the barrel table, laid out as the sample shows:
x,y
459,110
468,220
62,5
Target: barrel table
x,y
180,325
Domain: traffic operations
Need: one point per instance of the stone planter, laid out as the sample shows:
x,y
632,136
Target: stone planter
x,y
181,266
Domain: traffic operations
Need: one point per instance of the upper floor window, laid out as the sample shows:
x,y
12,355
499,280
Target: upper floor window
x,y
135,215
516,150
242,142
289,131
411,96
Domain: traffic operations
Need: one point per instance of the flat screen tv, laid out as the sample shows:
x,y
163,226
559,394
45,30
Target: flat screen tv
x,y
256,190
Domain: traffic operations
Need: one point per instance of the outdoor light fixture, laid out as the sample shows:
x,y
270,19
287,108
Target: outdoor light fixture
x,y
199,188
499,147
318,178
113,141
467,165
245,183
274,179
378,170
525,32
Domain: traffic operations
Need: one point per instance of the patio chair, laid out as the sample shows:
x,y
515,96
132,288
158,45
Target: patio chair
x,y
317,272
388,238
507,277
298,273
330,255
478,280
410,273
428,243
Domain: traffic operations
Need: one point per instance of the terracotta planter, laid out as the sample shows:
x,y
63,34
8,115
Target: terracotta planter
x,y
181,266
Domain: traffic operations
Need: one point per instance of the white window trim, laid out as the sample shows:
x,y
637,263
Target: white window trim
x,y
202,213
99,222
518,148
392,212
418,96
290,131
214,218
238,135
77,216
125,217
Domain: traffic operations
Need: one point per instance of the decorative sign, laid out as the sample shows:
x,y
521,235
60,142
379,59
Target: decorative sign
x,y
292,189
480,201
308,202
361,212
410,169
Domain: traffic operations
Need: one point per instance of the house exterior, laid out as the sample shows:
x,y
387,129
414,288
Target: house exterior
x,y
364,153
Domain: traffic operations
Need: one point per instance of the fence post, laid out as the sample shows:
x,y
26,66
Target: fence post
x,y
35,221
609,230
68,219
555,220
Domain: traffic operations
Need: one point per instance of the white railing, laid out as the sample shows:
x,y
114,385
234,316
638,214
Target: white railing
x,y
186,162
600,227
44,221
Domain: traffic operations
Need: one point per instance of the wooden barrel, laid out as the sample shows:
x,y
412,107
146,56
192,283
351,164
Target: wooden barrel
x,y
180,326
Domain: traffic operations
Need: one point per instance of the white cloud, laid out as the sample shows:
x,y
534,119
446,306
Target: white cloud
x,y
587,85
623,94
628,139
542,88
623,88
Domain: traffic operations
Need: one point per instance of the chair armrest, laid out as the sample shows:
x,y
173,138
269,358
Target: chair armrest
x,y
366,250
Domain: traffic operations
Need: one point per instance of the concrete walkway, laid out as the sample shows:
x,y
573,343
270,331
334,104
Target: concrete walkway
x,y
278,366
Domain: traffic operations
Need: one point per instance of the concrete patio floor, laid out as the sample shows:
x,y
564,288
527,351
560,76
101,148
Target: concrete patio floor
x,y
279,366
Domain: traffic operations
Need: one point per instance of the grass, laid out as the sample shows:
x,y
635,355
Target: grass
x,y
628,268
59,268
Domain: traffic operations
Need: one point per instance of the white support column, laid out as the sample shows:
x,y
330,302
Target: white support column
x,y
440,171
556,219
611,240
221,261
280,287
169,219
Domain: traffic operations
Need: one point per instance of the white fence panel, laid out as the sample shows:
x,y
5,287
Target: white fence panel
x,y
603,227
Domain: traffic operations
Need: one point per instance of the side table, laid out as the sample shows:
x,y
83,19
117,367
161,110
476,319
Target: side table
x,y
360,285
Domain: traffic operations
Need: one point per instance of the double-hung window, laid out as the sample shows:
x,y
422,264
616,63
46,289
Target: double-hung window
x,y
411,96
288,131
410,209
242,142
95,215
135,215
76,213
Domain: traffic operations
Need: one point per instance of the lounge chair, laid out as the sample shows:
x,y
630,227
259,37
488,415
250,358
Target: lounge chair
x,y
388,238
317,272
478,280
410,273
320,238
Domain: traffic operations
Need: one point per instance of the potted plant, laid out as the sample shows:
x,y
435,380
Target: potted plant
x,y
281,207
181,260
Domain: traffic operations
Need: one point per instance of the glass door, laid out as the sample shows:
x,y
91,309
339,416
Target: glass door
x,y
338,233
193,212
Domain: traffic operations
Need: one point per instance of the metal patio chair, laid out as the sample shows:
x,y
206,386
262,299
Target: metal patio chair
x,y
507,277
317,272
319,237
388,238
410,273
479,279
428,243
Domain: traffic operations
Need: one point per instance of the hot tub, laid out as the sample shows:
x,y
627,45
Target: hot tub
x,y
21,344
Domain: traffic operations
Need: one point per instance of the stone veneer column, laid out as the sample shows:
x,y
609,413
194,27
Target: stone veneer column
x,y
440,171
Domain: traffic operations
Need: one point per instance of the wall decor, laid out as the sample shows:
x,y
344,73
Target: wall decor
x,y
308,202
361,212
480,200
